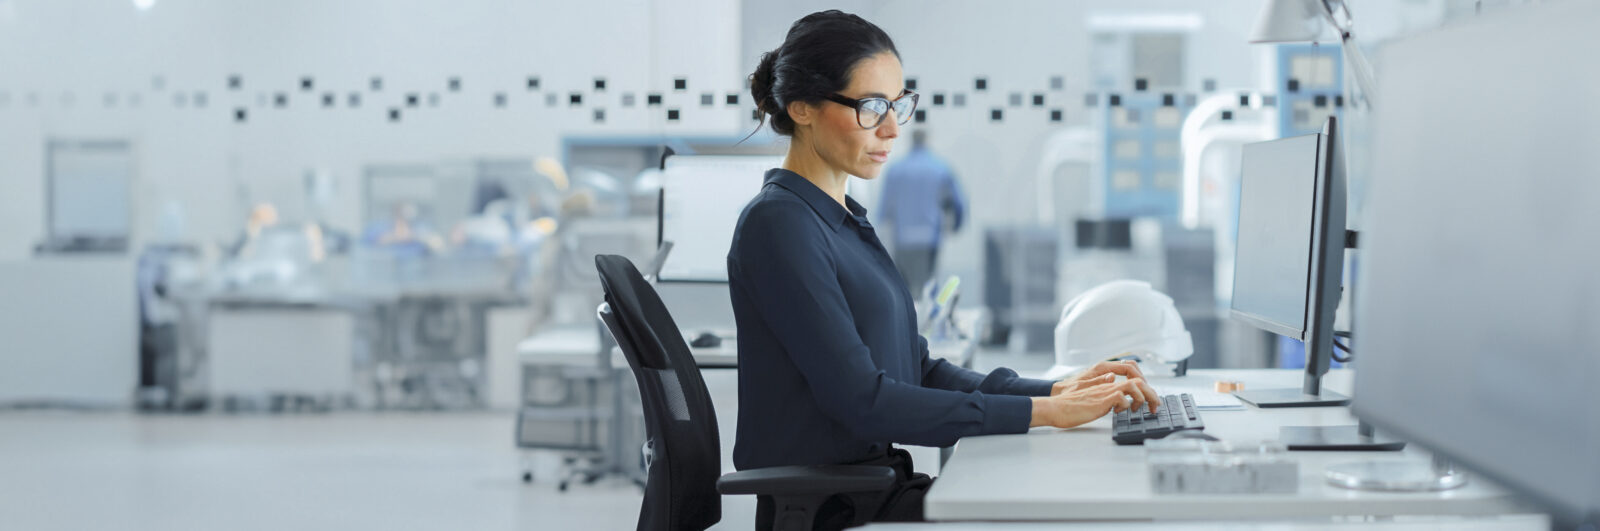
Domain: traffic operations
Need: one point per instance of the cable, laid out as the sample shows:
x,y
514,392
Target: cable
x,y
1338,346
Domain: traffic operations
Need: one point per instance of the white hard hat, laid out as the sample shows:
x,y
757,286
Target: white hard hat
x,y
1116,318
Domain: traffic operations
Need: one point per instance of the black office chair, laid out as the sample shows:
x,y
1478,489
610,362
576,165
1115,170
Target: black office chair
x,y
683,455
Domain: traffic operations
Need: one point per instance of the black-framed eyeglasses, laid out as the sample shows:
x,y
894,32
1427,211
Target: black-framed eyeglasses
x,y
870,111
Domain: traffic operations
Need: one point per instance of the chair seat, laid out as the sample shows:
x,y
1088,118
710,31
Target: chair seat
x,y
806,480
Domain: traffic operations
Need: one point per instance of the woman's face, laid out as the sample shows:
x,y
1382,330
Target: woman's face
x,y
839,139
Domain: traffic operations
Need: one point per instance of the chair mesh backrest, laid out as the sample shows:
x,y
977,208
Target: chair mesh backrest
x,y
681,491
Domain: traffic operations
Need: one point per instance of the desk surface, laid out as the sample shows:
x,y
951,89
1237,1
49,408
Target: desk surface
x,y
1079,473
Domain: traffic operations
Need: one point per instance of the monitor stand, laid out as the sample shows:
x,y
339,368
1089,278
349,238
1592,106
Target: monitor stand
x,y
1396,476
1336,439
1274,398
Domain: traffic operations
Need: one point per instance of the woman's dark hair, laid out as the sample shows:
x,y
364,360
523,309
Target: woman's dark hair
x,y
814,61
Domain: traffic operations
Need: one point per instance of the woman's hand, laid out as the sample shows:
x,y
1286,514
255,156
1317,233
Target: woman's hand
x,y
1092,400
1103,372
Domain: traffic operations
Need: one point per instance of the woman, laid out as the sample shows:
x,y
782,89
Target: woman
x,y
831,368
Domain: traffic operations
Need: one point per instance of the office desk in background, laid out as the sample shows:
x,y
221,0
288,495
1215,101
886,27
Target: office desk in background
x,y
1080,474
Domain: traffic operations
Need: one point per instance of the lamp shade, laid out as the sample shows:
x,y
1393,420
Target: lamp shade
x,y
1288,21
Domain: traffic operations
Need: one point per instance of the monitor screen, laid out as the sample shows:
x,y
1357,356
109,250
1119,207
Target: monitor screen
x,y
701,198
1272,261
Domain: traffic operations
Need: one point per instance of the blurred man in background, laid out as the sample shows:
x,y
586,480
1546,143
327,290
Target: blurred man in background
x,y
919,194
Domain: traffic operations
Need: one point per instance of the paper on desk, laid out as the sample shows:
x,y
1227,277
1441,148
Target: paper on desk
x,y
1206,399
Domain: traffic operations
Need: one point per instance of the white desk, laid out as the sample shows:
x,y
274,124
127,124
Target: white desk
x,y
1077,474
578,346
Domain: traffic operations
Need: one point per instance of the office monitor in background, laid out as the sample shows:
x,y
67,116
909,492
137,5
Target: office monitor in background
x,y
701,198
1480,273
1290,254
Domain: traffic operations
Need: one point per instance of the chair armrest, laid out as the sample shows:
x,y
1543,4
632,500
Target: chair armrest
x,y
807,480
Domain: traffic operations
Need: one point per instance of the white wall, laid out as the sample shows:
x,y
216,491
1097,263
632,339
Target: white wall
x,y
51,50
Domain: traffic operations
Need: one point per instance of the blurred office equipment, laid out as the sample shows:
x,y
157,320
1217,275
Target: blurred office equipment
x,y
72,331
89,195
1480,262
1284,21
1019,285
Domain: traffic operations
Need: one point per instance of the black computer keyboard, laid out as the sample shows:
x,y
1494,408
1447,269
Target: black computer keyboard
x,y
1176,413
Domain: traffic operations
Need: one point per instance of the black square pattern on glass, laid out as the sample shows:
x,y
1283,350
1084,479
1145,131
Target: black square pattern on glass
x,y
911,83
1209,85
1038,100
455,84
996,114
239,114
1320,101
235,82
1116,100
755,115
280,100
1057,83
1091,100
1014,99
920,116
628,99
599,84
672,115
980,84
732,98
1268,100
550,99
306,83
681,83
376,83
1189,100
1133,115
412,99
708,99
1141,84
394,114
938,99
575,99
354,100
1227,116
1055,115
499,99
1168,100
599,116
1244,100
1338,100
533,83
199,99
653,99
1294,85
958,100
327,99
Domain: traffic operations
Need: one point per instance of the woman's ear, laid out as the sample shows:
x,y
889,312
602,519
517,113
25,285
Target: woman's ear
x,y
803,113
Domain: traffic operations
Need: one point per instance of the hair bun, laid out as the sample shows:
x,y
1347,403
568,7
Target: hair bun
x,y
762,80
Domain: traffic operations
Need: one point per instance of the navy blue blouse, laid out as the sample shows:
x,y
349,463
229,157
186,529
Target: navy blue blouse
x,y
831,368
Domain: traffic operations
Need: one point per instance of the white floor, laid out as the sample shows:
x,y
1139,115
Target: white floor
x,y
350,470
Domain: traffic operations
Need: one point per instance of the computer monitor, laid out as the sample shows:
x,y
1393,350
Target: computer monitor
x,y
1290,253
1478,308
701,198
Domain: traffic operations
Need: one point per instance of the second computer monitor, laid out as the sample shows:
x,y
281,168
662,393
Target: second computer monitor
x,y
1290,252
701,197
